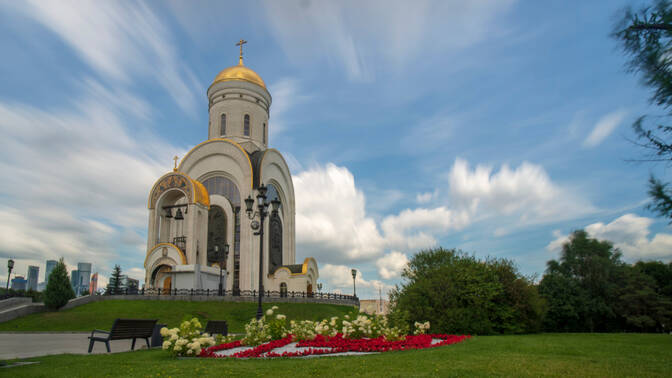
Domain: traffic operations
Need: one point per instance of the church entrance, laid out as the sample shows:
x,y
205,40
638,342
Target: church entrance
x,y
167,284
309,290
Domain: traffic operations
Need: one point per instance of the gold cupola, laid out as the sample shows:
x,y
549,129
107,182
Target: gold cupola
x,y
240,72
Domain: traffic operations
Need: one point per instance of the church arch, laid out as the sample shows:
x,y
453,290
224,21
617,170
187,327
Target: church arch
x,y
221,185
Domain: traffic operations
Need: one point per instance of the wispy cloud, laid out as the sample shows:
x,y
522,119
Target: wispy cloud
x,y
360,36
604,127
121,41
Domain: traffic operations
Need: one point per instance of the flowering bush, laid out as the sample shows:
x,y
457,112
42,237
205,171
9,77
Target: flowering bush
x,y
421,328
267,328
186,340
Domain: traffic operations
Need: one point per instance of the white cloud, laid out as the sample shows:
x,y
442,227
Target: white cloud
x,y
604,127
361,35
525,193
391,265
330,215
423,198
286,94
629,233
121,41
332,223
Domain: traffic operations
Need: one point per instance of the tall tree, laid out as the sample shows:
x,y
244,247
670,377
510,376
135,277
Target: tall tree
x,y
582,287
58,291
115,281
646,37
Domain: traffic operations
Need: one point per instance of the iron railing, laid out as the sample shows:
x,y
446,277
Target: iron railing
x,y
235,293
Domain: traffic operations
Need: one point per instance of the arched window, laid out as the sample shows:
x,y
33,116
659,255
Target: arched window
x,y
246,127
283,289
222,126
264,132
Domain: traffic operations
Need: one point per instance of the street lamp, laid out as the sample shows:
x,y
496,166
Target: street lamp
x,y
354,288
262,211
221,260
319,287
10,266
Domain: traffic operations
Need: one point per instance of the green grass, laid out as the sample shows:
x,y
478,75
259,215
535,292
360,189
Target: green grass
x,y
101,314
589,355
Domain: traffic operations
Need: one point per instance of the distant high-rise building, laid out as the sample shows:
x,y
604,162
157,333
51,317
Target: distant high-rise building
x,y
19,283
51,264
74,281
93,287
42,286
33,272
84,270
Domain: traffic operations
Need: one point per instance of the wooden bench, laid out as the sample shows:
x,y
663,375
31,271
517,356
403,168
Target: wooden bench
x,y
217,327
124,329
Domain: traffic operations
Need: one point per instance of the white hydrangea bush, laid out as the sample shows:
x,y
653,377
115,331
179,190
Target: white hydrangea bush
x,y
273,326
187,339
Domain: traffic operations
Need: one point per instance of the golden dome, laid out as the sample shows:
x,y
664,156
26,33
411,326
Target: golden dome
x,y
239,72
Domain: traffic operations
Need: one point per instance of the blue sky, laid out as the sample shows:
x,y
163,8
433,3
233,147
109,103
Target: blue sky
x,y
497,127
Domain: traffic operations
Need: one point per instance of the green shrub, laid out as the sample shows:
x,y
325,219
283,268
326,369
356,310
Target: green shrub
x,y
458,293
58,291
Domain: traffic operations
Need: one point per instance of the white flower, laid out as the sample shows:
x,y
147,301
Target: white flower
x,y
281,317
164,331
274,308
177,348
269,312
190,351
166,345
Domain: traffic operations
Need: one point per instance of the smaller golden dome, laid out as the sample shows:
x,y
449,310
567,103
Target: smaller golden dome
x,y
239,72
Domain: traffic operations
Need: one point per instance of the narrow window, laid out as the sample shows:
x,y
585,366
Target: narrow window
x,y
222,128
247,125
264,133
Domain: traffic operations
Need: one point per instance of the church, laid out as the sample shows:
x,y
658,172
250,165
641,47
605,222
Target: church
x,y
204,218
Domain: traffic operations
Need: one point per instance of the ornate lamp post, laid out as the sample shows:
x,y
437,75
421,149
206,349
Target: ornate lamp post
x,y
354,288
10,266
262,211
221,260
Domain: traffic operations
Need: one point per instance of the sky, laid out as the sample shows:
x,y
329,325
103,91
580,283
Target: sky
x,y
496,127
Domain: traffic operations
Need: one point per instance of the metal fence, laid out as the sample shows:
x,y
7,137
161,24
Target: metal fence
x,y
235,293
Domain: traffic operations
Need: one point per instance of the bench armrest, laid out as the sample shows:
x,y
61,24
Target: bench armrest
x,y
99,330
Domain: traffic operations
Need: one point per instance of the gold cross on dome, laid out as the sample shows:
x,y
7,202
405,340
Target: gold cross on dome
x,y
241,43
176,159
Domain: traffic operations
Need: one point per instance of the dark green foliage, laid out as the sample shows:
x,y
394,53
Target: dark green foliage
x,y
591,289
58,291
459,293
646,37
114,286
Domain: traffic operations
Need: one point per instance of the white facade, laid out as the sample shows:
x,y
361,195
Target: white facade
x,y
208,189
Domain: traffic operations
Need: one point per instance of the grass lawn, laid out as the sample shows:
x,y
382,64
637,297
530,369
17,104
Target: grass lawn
x,y
101,314
591,355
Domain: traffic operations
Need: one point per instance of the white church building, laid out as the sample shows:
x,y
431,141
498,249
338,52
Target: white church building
x,y
198,210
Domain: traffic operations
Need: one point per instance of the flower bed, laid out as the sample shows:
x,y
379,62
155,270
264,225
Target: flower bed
x,y
335,344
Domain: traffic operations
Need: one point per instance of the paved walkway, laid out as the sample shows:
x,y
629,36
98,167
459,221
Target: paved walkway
x,y
24,345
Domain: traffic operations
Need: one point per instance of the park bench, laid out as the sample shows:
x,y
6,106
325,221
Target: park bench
x,y
217,327
123,329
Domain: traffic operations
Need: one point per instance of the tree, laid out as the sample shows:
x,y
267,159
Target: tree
x,y
115,281
459,293
646,37
58,291
581,288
